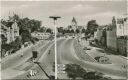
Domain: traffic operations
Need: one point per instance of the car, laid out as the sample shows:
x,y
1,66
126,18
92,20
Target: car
x,y
87,48
101,50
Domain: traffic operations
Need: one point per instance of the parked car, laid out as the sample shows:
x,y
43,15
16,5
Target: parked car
x,y
87,48
73,37
101,50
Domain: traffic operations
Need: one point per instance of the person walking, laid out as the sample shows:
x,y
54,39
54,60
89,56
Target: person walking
x,y
49,52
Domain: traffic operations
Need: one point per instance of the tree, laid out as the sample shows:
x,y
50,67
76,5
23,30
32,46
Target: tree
x,y
72,31
26,36
92,26
16,45
64,31
60,29
83,30
35,25
27,26
6,47
3,39
49,30
42,29
31,25
89,75
77,31
74,71
15,17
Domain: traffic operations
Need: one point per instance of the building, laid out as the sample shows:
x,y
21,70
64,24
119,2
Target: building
x,y
104,38
122,45
122,29
114,36
74,24
117,34
10,30
122,33
40,35
98,34
111,35
69,27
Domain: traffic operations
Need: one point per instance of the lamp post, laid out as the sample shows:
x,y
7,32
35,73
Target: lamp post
x,y
55,19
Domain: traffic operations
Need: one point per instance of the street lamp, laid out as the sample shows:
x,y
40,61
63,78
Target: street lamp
x,y
55,19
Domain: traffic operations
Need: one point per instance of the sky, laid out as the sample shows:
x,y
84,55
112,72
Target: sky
x,y
83,11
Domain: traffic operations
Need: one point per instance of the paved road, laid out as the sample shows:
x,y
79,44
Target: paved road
x,y
21,67
67,55
10,63
47,62
15,59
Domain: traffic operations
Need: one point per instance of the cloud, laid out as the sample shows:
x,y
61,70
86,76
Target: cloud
x,y
103,17
78,9
82,10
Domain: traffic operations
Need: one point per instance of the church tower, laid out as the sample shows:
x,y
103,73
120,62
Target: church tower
x,y
74,23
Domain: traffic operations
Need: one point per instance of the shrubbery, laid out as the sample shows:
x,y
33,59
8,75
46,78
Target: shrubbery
x,y
76,71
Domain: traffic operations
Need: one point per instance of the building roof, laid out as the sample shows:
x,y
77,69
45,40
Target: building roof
x,y
74,20
3,26
9,24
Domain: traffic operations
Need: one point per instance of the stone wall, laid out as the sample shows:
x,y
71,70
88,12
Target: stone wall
x,y
122,46
112,39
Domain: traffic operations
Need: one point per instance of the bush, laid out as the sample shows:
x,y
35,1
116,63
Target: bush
x,y
76,71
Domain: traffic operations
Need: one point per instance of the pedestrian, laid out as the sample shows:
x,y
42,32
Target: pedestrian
x,y
35,72
31,72
21,55
49,52
124,66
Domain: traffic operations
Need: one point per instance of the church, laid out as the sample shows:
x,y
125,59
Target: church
x,y
73,25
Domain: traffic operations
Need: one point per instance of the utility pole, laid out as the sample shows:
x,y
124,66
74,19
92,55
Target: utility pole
x,y
55,19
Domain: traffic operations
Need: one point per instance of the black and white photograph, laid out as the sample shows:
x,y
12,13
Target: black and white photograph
x,y
64,39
